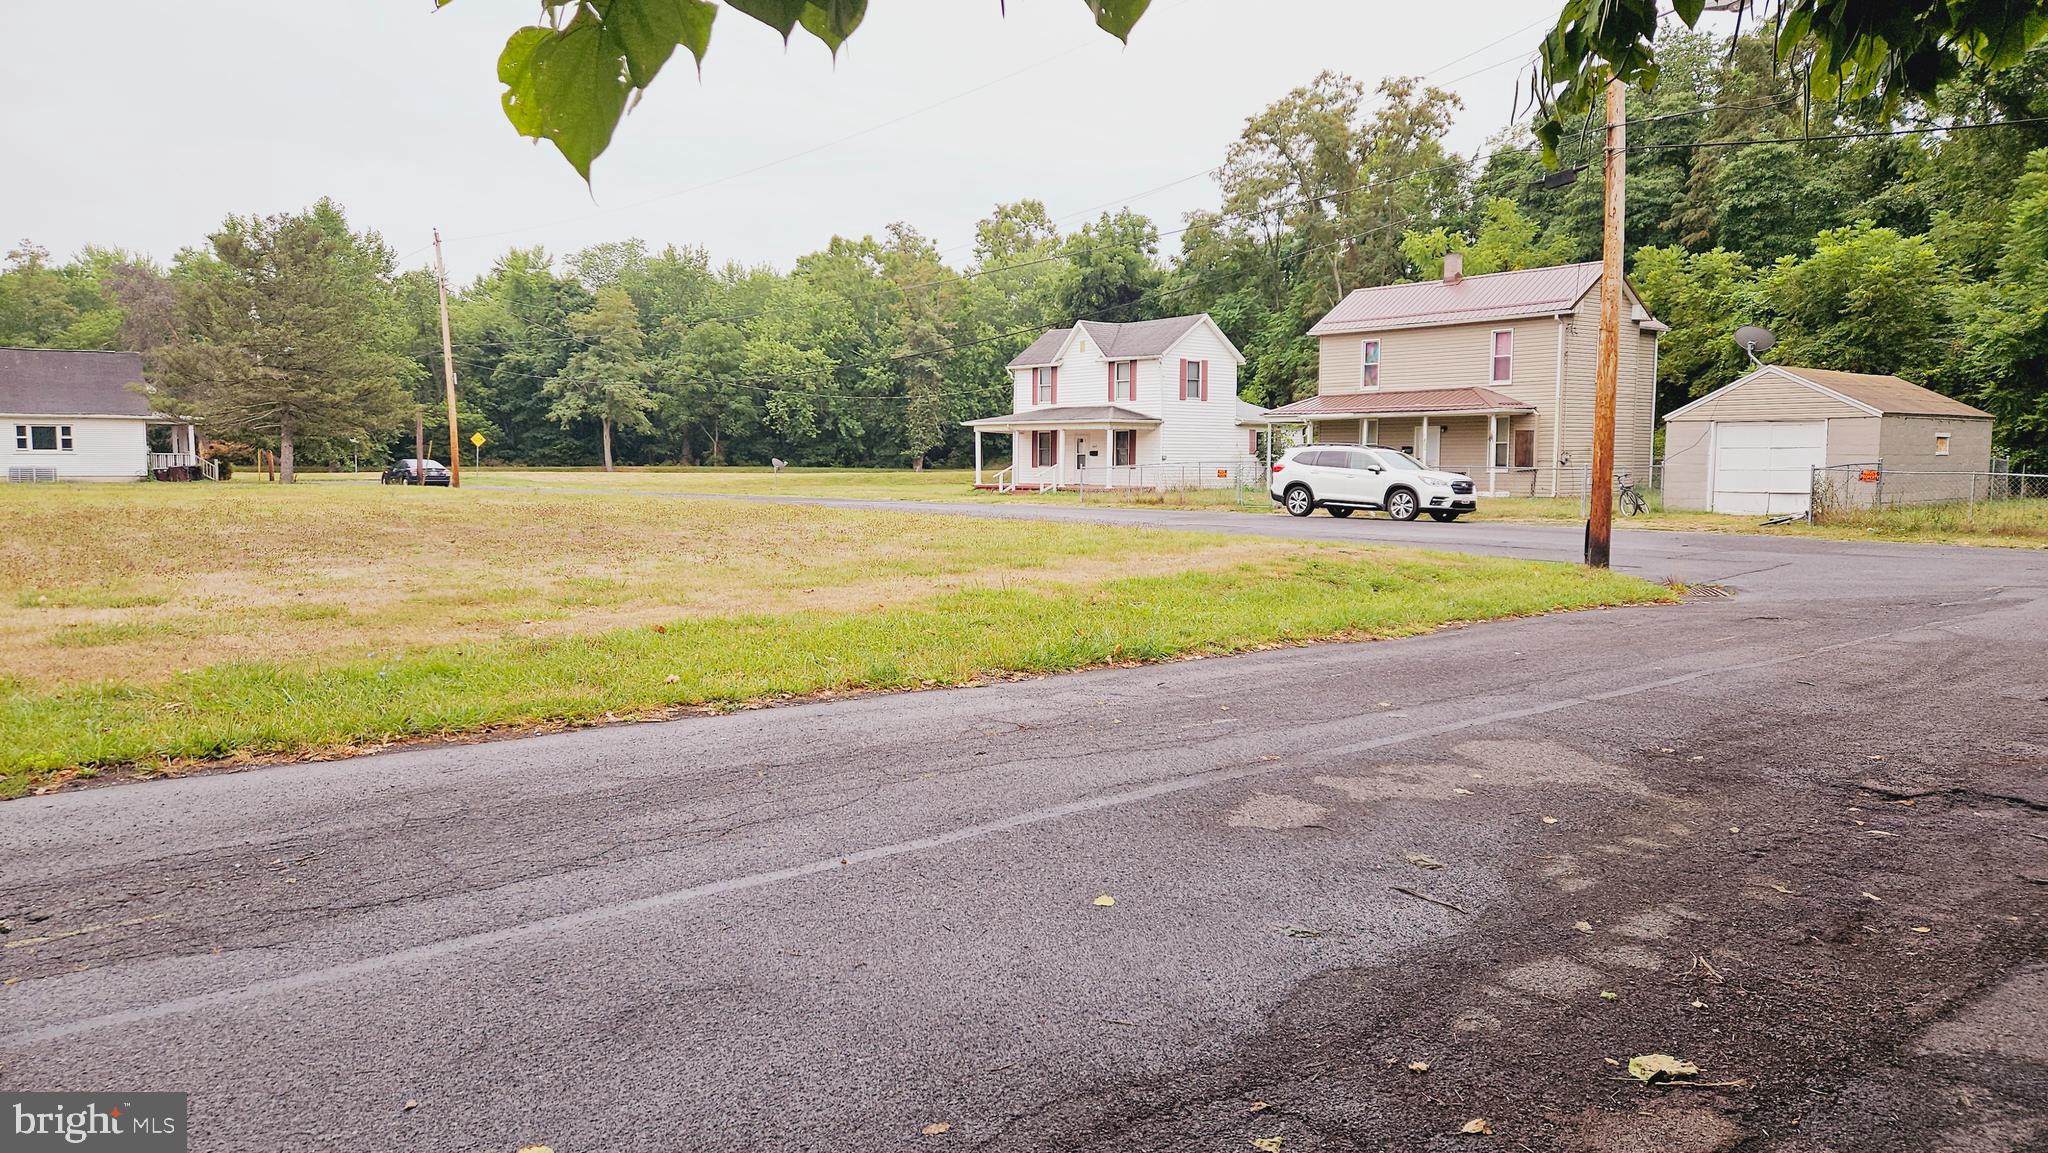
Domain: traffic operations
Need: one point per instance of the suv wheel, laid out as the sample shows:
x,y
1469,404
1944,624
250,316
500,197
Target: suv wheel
x,y
1299,502
1401,504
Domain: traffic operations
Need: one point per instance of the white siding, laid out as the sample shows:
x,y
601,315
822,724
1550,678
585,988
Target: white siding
x,y
1198,431
102,448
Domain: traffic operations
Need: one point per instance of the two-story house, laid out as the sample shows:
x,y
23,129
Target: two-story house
x,y
1145,404
1489,375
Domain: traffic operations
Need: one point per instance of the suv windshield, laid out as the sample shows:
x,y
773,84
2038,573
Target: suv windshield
x,y
1396,459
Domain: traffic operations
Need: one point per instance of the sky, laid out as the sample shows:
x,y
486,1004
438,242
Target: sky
x,y
933,113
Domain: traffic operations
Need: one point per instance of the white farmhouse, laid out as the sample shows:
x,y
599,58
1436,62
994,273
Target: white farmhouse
x,y
1145,404
71,415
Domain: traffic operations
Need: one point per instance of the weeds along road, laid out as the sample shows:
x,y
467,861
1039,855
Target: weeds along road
x,y
1797,833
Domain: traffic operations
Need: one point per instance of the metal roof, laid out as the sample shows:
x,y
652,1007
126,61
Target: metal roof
x,y
1132,340
1399,402
1043,352
1471,300
1067,414
68,382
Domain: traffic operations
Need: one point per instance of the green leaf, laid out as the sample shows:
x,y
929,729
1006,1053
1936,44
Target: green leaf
x,y
568,87
780,15
833,20
1689,10
1117,17
647,31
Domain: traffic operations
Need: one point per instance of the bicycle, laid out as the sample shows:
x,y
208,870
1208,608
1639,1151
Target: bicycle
x,y
1631,498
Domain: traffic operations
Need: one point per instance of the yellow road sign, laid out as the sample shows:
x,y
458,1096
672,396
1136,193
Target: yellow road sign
x,y
477,439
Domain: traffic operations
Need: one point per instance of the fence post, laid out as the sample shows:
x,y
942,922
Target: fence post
x,y
1812,493
1878,501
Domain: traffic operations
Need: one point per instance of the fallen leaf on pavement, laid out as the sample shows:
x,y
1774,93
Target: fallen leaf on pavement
x,y
1424,861
1922,929
1550,820
1255,1106
1699,1004
1477,1125
1582,926
1418,1066
1872,896
411,1105
936,1128
1105,900
1609,995
1268,1144
1463,792
535,1149
1651,1067
1612,1061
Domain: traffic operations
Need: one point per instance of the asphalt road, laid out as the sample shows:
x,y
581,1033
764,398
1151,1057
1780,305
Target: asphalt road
x,y
831,926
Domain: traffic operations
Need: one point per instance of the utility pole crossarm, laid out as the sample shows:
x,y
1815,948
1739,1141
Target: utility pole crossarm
x,y
448,369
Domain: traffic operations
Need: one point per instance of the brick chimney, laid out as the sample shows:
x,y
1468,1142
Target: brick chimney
x,y
1454,268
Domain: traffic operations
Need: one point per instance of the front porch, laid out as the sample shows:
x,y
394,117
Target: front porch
x,y
1083,446
1484,434
183,461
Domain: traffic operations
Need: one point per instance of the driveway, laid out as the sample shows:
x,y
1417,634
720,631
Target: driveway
x,y
1795,832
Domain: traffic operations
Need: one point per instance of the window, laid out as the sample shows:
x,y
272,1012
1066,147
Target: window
x,y
1044,385
1194,380
1941,444
1369,364
1123,448
1503,356
1045,448
42,437
1123,380
1358,458
1503,452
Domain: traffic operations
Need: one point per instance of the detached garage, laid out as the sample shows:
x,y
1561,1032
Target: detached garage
x,y
1750,447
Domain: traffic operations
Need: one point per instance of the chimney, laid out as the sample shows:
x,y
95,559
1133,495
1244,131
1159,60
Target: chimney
x,y
1454,268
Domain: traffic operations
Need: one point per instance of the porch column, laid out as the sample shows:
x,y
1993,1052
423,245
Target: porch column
x,y
1492,452
1059,458
977,458
1422,443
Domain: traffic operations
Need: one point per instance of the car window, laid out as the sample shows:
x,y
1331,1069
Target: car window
x,y
1314,457
1360,459
1396,459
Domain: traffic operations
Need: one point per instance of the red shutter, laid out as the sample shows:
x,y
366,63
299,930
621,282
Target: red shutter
x,y
1112,382
1205,380
1055,385
1134,388
1183,378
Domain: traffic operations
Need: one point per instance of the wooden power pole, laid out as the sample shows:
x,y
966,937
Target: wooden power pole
x,y
419,444
448,369
1600,501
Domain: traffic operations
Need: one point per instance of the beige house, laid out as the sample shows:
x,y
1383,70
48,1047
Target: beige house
x,y
1490,375
1752,446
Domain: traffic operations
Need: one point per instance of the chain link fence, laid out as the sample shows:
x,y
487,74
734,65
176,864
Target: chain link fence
x,y
1847,492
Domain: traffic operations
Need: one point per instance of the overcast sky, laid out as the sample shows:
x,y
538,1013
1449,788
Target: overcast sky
x,y
936,110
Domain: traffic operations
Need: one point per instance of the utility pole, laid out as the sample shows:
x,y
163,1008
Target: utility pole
x,y
1600,500
448,369
419,444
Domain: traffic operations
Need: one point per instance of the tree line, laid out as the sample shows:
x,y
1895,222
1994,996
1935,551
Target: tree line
x,y
1910,239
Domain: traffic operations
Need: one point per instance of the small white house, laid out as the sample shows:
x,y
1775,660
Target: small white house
x,y
72,415
1145,404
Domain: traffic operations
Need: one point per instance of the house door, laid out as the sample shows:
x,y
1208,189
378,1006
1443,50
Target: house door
x,y
1080,455
1433,446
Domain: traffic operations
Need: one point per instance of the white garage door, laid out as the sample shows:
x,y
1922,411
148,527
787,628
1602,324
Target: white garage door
x,y
1765,467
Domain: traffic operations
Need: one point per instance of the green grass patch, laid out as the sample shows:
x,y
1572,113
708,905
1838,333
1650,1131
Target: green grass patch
x,y
94,634
271,708
86,598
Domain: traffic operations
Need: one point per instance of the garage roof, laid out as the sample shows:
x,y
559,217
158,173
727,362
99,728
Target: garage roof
x,y
1876,394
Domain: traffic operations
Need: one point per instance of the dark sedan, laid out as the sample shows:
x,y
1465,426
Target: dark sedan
x,y
411,471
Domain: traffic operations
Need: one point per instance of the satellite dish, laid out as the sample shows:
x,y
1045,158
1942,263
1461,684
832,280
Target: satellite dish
x,y
1754,339
779,464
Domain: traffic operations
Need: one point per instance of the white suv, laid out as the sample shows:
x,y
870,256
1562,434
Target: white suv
x,y
1346,478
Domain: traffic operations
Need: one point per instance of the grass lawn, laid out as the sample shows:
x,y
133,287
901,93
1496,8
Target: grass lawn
x,y
150,625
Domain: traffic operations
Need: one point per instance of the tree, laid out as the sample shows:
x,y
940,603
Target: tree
x,y
606,379
2004,364
1892,51
1704,297
1867,300
1111,270
1506,241
287,328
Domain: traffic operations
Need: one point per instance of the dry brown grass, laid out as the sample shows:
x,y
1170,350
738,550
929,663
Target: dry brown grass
x,y
136,582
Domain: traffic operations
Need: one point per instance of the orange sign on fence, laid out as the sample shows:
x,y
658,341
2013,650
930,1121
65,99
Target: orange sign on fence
x,y
1868,476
